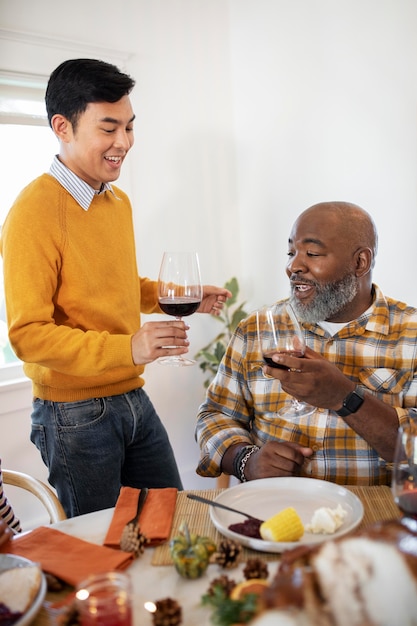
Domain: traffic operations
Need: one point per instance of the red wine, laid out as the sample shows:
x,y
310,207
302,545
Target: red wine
x,y
267,357
179,307
407,502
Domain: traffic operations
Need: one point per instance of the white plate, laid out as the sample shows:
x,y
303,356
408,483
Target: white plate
x,y
8,561
265,497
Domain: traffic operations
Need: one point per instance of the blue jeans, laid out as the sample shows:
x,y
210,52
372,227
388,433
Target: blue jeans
x,y
92,447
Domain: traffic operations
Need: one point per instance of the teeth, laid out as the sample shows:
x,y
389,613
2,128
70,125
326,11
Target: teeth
x,y
303,287
115,159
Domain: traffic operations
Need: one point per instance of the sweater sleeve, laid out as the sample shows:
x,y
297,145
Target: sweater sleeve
x,y
149,296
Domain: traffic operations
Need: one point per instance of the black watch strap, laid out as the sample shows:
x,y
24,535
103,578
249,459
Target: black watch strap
x,y
352,402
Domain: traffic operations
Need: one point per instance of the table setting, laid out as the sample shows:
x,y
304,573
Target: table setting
x,y
73,549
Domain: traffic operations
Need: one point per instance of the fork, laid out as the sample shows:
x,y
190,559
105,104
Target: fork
x,y
193,496
132,540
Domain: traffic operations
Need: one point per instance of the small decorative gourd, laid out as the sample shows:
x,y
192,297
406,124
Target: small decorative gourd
x,y
191,553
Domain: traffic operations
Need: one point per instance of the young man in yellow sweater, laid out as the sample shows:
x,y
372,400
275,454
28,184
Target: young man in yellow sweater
x,y
74,299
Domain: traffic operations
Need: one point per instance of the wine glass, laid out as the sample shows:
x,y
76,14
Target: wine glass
x,y
279,332
404,473
179,292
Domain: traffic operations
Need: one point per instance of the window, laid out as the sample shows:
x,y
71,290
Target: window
x,y
28,145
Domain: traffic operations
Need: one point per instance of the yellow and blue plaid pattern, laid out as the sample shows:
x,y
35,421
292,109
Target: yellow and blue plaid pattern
x,y
378,351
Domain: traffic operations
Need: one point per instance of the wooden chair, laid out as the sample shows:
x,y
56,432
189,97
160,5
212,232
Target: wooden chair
x,y
39,489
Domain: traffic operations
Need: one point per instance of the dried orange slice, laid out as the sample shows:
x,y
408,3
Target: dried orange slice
x,y
253,585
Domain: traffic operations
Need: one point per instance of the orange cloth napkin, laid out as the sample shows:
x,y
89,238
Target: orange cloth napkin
x,y
155,521
68,558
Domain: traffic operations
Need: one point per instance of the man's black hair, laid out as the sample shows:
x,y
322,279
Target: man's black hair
x,y
77,82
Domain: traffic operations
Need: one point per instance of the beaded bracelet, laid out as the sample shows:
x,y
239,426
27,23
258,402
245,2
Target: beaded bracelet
x,y
241,459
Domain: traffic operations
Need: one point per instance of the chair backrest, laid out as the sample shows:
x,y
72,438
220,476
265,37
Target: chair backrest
x,y
44,493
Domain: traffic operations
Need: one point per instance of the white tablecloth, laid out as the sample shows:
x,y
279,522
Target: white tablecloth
x,y
151,582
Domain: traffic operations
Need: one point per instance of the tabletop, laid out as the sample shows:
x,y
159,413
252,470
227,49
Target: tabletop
x,y
153,575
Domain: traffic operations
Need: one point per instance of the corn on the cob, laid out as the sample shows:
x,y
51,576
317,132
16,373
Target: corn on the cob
x,y
284,526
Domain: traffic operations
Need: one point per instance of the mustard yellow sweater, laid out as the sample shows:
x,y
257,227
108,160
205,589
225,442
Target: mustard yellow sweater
x,y
73,294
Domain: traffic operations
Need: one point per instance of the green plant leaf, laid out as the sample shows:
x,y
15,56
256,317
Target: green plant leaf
x,y
209,356
226,611
233,286
238,316
220,337
219,351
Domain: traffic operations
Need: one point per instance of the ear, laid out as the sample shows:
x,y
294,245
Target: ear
x,y
62,128
364,261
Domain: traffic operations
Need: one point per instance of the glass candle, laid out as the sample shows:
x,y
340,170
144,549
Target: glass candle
x,y
105,600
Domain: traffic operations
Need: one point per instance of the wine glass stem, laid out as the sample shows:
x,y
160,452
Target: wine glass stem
x,y
178,358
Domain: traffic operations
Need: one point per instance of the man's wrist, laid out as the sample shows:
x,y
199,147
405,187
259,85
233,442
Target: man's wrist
x,y
352,402
240,460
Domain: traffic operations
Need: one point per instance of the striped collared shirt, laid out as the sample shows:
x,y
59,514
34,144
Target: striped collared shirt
x,y
378,351
81,191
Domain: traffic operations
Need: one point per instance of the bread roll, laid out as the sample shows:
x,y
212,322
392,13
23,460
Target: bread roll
x,y
19,587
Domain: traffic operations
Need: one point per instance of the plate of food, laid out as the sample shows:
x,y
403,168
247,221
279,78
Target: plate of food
x,y
22,590
321,509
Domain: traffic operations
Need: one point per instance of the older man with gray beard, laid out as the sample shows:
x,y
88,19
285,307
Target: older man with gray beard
x,y
358,370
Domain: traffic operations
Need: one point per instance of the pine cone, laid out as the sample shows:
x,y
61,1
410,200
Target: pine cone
x,y
168,613
227,554
255,568
132,540
227,584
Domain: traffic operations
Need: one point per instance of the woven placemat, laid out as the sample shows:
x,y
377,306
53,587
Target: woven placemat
x,y
377,502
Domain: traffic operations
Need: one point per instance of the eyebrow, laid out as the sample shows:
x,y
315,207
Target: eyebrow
x,y
113,120
308,240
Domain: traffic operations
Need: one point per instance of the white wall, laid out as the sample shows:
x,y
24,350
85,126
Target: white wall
x,y
248,111
325,109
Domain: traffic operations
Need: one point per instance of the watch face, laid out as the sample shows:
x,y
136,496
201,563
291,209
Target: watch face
x,y
354,401
351,403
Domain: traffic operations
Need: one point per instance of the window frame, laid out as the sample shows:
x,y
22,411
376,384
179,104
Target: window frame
x,y
16,86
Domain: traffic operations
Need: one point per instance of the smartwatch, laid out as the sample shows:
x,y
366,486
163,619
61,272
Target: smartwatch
x,y
352,402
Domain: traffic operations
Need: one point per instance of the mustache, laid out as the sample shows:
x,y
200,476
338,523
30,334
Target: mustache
x,y
296,279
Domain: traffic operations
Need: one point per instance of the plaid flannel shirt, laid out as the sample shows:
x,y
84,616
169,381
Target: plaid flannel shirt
x,y
377,351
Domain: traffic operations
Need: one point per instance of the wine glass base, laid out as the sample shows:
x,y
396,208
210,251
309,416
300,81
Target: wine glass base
x,y
295,412
175,361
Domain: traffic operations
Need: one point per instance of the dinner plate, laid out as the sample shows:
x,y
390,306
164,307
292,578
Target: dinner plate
x,y
265,497
8,561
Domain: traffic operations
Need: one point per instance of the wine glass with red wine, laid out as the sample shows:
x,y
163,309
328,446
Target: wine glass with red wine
x,y
404,473
279,332
179,292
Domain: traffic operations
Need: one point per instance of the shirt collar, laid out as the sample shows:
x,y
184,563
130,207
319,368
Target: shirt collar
x,y
377,317
81,191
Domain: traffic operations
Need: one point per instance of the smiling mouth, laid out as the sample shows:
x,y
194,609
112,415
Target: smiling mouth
x,y
302,287
113,159
302,290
